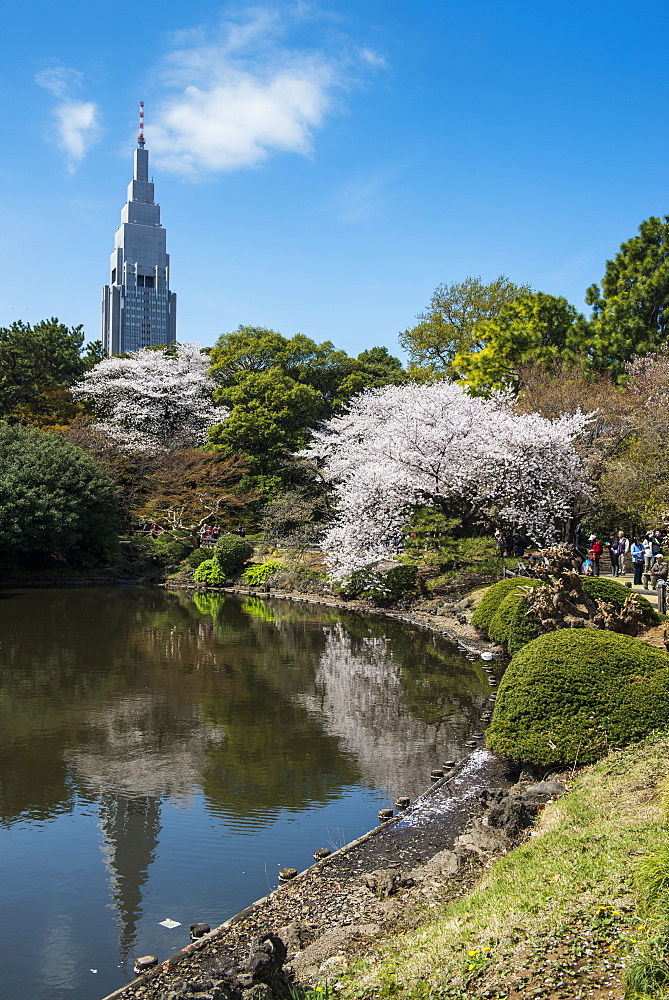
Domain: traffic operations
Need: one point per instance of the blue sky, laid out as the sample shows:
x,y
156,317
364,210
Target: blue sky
x,y
322,167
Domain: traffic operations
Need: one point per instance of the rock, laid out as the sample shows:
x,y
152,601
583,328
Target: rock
x,y
199,930
512,815
548,788
145,962
386,882
465,603
286,874
267,954
296,935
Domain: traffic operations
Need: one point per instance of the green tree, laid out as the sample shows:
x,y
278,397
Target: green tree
x,y
533,329
36,358
631,310
270,417
330,371
55,501
449,324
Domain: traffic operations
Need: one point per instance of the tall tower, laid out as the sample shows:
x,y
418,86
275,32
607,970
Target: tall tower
x,y
138,308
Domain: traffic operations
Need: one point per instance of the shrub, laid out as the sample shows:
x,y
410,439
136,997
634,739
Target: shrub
x,y
198,556
617,594
210,573
570,695
523,627
231,553
56,502
492,599
173,550
501,623
259,574
382,587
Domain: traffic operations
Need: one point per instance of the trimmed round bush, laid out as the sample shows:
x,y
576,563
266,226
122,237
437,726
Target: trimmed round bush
x,y
499,627
231,553
523,627
198,556
570,695
492,599
617,594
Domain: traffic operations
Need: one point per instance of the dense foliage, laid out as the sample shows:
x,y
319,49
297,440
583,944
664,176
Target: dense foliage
x,y
569,696
210,573
505,616
55,501
449,325
256,575
232,552
492,599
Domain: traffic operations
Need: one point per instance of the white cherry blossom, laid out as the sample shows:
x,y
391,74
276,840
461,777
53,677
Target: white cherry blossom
x,y
153,400
402,446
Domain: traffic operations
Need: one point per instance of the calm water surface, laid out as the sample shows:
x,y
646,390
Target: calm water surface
x,y
163,755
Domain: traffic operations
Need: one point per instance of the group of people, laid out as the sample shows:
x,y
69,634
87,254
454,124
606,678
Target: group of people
x,y
646,554
511,544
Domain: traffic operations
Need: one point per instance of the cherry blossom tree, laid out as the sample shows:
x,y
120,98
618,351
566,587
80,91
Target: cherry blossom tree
x,y
153,400
403,446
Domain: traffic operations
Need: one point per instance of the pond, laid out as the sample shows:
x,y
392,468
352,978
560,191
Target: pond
x,y
162,755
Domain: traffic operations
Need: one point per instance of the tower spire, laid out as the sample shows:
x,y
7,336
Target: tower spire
x,y
140,137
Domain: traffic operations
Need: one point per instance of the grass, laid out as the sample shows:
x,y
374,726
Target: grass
x,y
560,913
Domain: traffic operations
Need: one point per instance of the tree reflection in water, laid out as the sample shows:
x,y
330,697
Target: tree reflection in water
x,y
130,699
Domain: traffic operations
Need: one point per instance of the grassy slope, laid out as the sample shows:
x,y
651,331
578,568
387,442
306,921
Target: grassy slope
x,y
557,916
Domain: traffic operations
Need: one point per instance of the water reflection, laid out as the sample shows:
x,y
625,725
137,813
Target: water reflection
x,y
244,712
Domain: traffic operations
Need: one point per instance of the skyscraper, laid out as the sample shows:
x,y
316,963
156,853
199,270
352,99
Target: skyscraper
x,y
138,308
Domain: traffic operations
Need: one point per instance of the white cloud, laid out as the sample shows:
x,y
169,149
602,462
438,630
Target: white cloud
x,y
77,127
242,93
58,80
76,122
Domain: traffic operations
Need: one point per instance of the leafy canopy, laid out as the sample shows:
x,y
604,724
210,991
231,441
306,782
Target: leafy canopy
x,y
55,501
533,329
631,310
449,324
35,359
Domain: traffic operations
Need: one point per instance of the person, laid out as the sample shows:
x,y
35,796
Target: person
x,y
519,545
624,548
658,571
595,553
637,561
499,541
647,552
508,544
614,554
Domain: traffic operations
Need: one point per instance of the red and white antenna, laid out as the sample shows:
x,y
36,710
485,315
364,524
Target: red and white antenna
x,y
140,137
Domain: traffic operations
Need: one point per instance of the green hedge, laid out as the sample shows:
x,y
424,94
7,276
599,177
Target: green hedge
x,y
492,599
523,627
231,553
570,695
617,594
500,625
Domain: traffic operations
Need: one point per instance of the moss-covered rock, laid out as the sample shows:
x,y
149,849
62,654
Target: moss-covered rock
x,y
616,594
498,630
492,599
570,695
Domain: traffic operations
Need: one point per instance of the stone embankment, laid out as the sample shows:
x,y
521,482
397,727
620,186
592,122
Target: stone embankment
x,y
306,930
